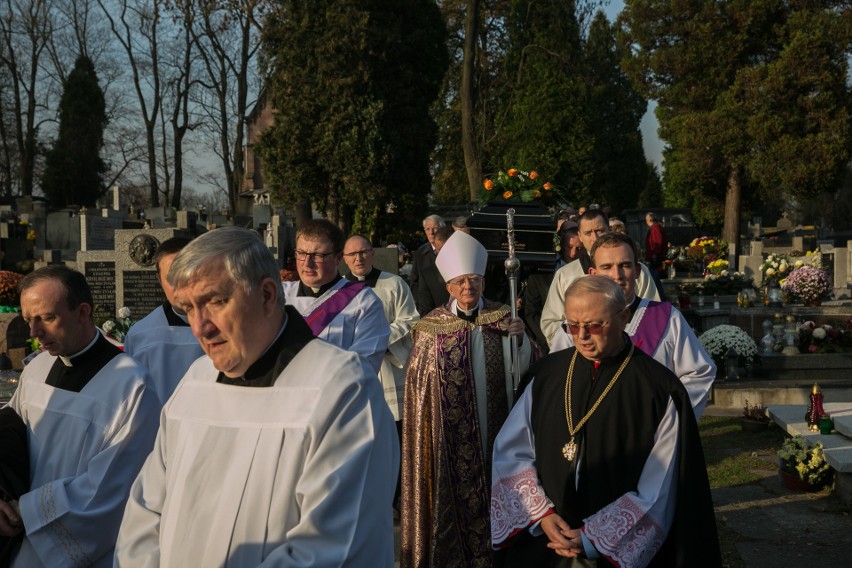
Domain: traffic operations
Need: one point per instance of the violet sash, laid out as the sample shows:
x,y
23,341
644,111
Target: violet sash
x,y
322,315
655,321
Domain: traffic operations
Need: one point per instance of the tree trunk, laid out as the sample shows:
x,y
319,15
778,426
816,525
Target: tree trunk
x,y
468,100
733,199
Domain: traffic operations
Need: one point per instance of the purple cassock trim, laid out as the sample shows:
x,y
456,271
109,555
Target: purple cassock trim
x,y
322,315
655,320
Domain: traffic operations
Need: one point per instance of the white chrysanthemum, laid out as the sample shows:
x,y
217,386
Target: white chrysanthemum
x,y
109,326
819,333
124,312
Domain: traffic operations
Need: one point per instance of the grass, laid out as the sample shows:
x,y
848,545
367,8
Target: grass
x,y
735,457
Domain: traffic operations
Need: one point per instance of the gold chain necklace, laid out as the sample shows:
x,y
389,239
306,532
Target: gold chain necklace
x,y
569,450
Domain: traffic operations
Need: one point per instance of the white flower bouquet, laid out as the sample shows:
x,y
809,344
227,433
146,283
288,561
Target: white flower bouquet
x,y
718,340
122,324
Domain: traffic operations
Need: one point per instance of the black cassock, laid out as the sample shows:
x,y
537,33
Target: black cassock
x,y
612,450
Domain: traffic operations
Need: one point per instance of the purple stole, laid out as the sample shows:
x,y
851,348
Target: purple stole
x,y
655,321
322,315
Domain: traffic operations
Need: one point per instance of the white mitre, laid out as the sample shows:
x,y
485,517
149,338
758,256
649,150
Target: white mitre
x,y
460,255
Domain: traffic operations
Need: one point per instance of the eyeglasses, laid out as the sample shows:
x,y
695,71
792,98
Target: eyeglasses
x,y
317,257
471,281
358,253
595,328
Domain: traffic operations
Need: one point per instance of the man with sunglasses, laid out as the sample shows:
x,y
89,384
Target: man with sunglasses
x,y
458,389
602,463
344,313
592,225
657,328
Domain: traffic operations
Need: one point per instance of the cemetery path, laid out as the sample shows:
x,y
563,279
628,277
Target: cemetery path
x,y
763,524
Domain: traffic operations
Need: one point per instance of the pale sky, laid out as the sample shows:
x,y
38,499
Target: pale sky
x,y
650,140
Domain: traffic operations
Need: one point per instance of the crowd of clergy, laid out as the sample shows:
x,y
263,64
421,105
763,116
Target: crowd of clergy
x,y
253,422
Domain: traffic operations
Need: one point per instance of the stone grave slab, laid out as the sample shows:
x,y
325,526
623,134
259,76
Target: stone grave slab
x,y
136,285
838,448
98,233
99,269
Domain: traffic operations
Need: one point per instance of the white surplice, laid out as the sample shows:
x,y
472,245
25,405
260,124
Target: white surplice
x,y
553,313
166,351
85,450
360,327
301,473
401,314
679,350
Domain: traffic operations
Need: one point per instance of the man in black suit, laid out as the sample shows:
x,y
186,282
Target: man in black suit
x,y
426,283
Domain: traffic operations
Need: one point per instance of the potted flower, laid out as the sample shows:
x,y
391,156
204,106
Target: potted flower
x,y
803,468
754,418
719,340
824,338
809,284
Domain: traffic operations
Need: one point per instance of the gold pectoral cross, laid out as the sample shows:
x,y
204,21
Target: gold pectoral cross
x,y
569,450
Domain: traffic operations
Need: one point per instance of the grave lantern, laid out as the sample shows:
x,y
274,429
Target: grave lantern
x,y
731,363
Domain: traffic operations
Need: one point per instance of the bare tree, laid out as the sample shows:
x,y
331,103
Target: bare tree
x,y
25,30
136,28
228,36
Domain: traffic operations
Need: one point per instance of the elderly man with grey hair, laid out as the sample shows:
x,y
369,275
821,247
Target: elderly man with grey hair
x,y
605,462
276,448
426,283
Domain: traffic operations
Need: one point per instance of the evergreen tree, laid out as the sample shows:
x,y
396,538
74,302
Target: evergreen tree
x,y
73,166
753,99
352,82
620,172
546,125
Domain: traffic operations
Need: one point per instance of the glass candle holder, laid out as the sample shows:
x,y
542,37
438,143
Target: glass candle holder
x,y
826,424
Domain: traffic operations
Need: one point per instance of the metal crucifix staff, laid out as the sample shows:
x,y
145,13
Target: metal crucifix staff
x,y
512,264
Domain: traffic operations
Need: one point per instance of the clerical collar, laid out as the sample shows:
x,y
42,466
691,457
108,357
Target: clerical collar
x,y
467,315
614,359
369,279
69,361
292,337
316,293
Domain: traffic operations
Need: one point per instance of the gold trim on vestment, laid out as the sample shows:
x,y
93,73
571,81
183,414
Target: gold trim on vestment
x,y
441,324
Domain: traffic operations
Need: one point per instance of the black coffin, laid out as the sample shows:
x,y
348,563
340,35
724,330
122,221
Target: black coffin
x,y
535,229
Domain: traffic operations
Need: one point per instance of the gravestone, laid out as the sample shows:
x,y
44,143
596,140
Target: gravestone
x,y
63,232
97,232
99,269
136,285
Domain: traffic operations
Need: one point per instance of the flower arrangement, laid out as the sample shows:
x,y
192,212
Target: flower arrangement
x,y
706,250
723,284
824,338
718,340
9,288
808,283
517,185
122,324
775,267
718,267
808,464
